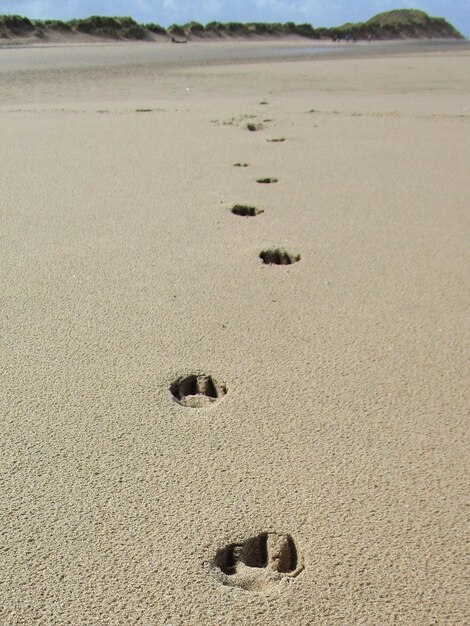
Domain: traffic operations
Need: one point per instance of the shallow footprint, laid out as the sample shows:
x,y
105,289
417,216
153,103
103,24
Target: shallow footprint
x,y
246,211
267,181
278,256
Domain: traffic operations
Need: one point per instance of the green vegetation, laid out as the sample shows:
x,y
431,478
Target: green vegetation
x,y
176,30
57,25
289,28
155,28
215,27
16,25
396,24
401,18
411,22
114,27
194,28
306,30
399,23
236,28
260,28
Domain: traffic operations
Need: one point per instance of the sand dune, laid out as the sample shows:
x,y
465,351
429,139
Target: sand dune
x,y
191,435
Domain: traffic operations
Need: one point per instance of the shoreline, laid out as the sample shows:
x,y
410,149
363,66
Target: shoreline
x,y
285,40
99,54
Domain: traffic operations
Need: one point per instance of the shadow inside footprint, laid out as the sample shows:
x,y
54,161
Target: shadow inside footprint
x,y
260,562
197,390
254,127
267,180
246,211
278,256
241,164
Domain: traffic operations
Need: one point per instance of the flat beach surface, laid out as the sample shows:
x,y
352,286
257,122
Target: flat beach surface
x,y
123,269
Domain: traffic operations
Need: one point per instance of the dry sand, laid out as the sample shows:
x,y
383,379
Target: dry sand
x,y
342,432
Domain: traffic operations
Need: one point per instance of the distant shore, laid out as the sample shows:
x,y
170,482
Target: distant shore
x,y
398,24
37,57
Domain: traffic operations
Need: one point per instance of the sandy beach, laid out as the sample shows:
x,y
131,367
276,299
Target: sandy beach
x,y
191,436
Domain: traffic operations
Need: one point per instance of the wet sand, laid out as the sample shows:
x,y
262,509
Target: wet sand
x,y
320,478
16,56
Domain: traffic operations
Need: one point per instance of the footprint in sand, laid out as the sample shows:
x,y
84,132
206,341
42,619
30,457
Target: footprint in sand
x,y
254,127
244,210
267,181
259,563
197,390
278,256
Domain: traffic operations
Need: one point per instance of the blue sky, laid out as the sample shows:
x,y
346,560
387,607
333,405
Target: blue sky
x,y
165,12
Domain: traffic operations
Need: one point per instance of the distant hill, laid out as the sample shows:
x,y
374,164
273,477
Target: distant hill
x,y
397,24
405,23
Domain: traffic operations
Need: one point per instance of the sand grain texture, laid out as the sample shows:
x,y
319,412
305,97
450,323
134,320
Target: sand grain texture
x,y
123,270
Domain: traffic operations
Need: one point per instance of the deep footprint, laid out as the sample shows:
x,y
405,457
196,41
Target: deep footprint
x,y
260,562
278,256
246,211
267,181
253,127
197,390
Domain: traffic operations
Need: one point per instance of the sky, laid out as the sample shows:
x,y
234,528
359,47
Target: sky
x,y
165,12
